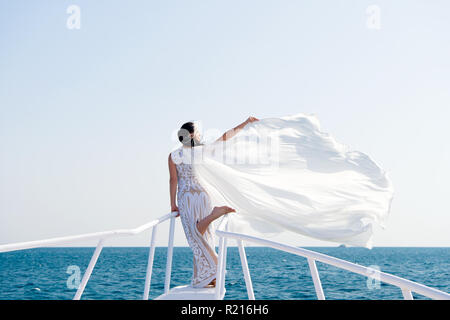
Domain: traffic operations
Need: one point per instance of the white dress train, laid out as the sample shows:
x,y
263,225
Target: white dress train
x,y
285,174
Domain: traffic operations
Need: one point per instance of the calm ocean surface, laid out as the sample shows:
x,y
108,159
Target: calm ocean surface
x,y
120,272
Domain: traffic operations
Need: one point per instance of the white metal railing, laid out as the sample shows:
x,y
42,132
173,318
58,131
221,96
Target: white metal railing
x,y
101,237
406,286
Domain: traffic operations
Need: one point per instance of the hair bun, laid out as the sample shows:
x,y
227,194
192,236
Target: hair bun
x,y
184,136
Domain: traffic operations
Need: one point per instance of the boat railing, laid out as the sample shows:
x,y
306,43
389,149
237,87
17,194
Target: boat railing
x,y
102,237
406,286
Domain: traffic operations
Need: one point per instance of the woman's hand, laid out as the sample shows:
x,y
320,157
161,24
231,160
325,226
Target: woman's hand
x,y
251,119
174,208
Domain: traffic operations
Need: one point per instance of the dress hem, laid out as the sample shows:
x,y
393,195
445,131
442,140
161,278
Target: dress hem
x,y
204,283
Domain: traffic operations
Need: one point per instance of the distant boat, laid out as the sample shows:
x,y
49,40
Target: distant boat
x,y
342,246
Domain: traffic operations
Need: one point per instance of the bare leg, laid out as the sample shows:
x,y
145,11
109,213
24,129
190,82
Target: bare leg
x,y
216,213
202,225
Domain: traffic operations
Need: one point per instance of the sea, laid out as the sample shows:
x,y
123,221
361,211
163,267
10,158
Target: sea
x,y
54,273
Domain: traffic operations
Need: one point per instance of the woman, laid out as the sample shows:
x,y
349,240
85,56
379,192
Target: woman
x,y
194,205
280,174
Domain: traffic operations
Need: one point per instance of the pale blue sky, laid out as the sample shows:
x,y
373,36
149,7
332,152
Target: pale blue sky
x,y
87,115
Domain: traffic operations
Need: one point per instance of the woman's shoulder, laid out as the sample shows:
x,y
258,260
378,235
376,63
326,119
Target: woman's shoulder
x,y
177,155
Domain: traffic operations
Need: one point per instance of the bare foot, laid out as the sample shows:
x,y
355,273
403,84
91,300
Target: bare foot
x,y
212,284
220,211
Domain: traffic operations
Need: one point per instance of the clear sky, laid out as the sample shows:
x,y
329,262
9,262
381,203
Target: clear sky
x,y
87,116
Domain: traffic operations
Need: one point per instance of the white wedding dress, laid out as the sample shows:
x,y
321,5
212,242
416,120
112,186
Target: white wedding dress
x,y
194,204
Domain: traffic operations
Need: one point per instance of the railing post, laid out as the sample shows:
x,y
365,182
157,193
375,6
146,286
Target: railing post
x,y
407,295
151,254
245,270
169,256
89,269
224,267
219,269
316,279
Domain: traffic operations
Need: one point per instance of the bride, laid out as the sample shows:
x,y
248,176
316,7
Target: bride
x,y
194,204
279,174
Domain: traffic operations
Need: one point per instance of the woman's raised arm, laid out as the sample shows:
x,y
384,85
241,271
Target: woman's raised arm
x,y
232,132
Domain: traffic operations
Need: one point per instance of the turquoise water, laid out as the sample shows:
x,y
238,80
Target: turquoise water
x,y
120,272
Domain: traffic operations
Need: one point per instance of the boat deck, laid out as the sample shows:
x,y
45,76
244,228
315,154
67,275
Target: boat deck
x,y
189,293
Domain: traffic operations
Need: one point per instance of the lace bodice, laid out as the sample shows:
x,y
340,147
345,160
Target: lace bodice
x,y
187,179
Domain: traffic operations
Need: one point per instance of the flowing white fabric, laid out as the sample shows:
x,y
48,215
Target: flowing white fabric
x,y
286,174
